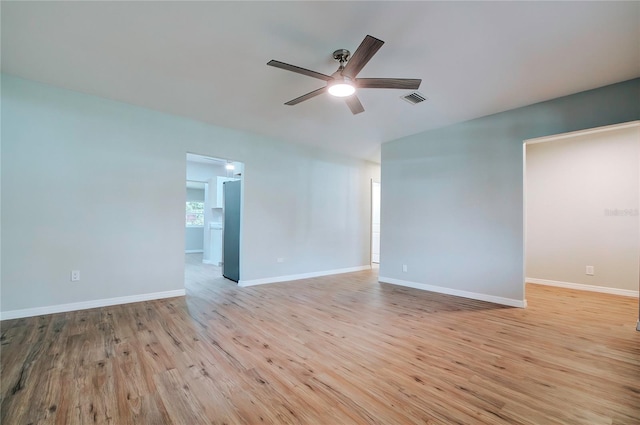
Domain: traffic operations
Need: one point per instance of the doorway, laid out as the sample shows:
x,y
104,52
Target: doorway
x,y
206,216
581,199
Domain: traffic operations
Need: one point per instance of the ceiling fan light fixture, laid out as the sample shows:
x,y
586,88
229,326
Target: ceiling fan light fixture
x,y
344,82
341,88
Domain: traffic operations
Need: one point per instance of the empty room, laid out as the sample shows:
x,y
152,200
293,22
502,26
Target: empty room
x,y
320,212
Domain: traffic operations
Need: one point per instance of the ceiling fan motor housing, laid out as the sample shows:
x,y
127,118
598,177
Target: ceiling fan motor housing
x,y
341,55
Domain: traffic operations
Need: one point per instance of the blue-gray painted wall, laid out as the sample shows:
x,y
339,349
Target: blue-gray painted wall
x,y
452,198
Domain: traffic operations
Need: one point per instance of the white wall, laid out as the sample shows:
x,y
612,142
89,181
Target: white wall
x,y
104,186
582,209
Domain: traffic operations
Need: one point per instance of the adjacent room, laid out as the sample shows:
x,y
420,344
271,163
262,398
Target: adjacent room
x,y
206,210
320,212
581,210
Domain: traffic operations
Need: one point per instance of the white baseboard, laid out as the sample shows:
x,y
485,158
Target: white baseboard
x,y
83,305
217,264
583,287
458,293
193,251
253,282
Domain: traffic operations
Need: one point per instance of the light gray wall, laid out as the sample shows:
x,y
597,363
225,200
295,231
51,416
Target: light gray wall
x,y
582,209
194,236
107,181
452,198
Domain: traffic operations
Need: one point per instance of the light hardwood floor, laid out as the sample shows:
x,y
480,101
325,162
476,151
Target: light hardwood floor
x,y
334,350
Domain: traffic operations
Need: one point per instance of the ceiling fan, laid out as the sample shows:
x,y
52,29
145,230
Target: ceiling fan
x,y
343,82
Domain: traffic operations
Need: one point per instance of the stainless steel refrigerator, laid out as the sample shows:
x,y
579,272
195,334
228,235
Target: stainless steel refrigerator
x,y
231,231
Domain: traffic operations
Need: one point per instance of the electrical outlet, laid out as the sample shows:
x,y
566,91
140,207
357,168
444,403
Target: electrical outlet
x,y
590,271
404,267
75,275
280,260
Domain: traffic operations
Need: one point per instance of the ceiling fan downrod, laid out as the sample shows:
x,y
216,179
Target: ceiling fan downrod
x,y
341,56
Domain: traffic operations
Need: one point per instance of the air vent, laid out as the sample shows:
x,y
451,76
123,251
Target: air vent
x,y
414,98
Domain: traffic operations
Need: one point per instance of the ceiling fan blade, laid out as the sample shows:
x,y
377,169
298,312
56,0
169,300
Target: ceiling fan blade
x,y
298,70
306,96
388,83
362,55
354,104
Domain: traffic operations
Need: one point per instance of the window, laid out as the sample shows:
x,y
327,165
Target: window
x,y
195,214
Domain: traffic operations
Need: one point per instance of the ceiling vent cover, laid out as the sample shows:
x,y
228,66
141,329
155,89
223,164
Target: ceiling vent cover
x,y
414,98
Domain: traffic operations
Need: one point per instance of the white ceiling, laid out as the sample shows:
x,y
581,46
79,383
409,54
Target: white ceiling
x,y
207,60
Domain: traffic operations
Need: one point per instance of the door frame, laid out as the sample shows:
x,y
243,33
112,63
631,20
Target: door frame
x,y
371,228
557,137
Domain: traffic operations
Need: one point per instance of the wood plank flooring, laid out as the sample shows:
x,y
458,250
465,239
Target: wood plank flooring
x,y
342,349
